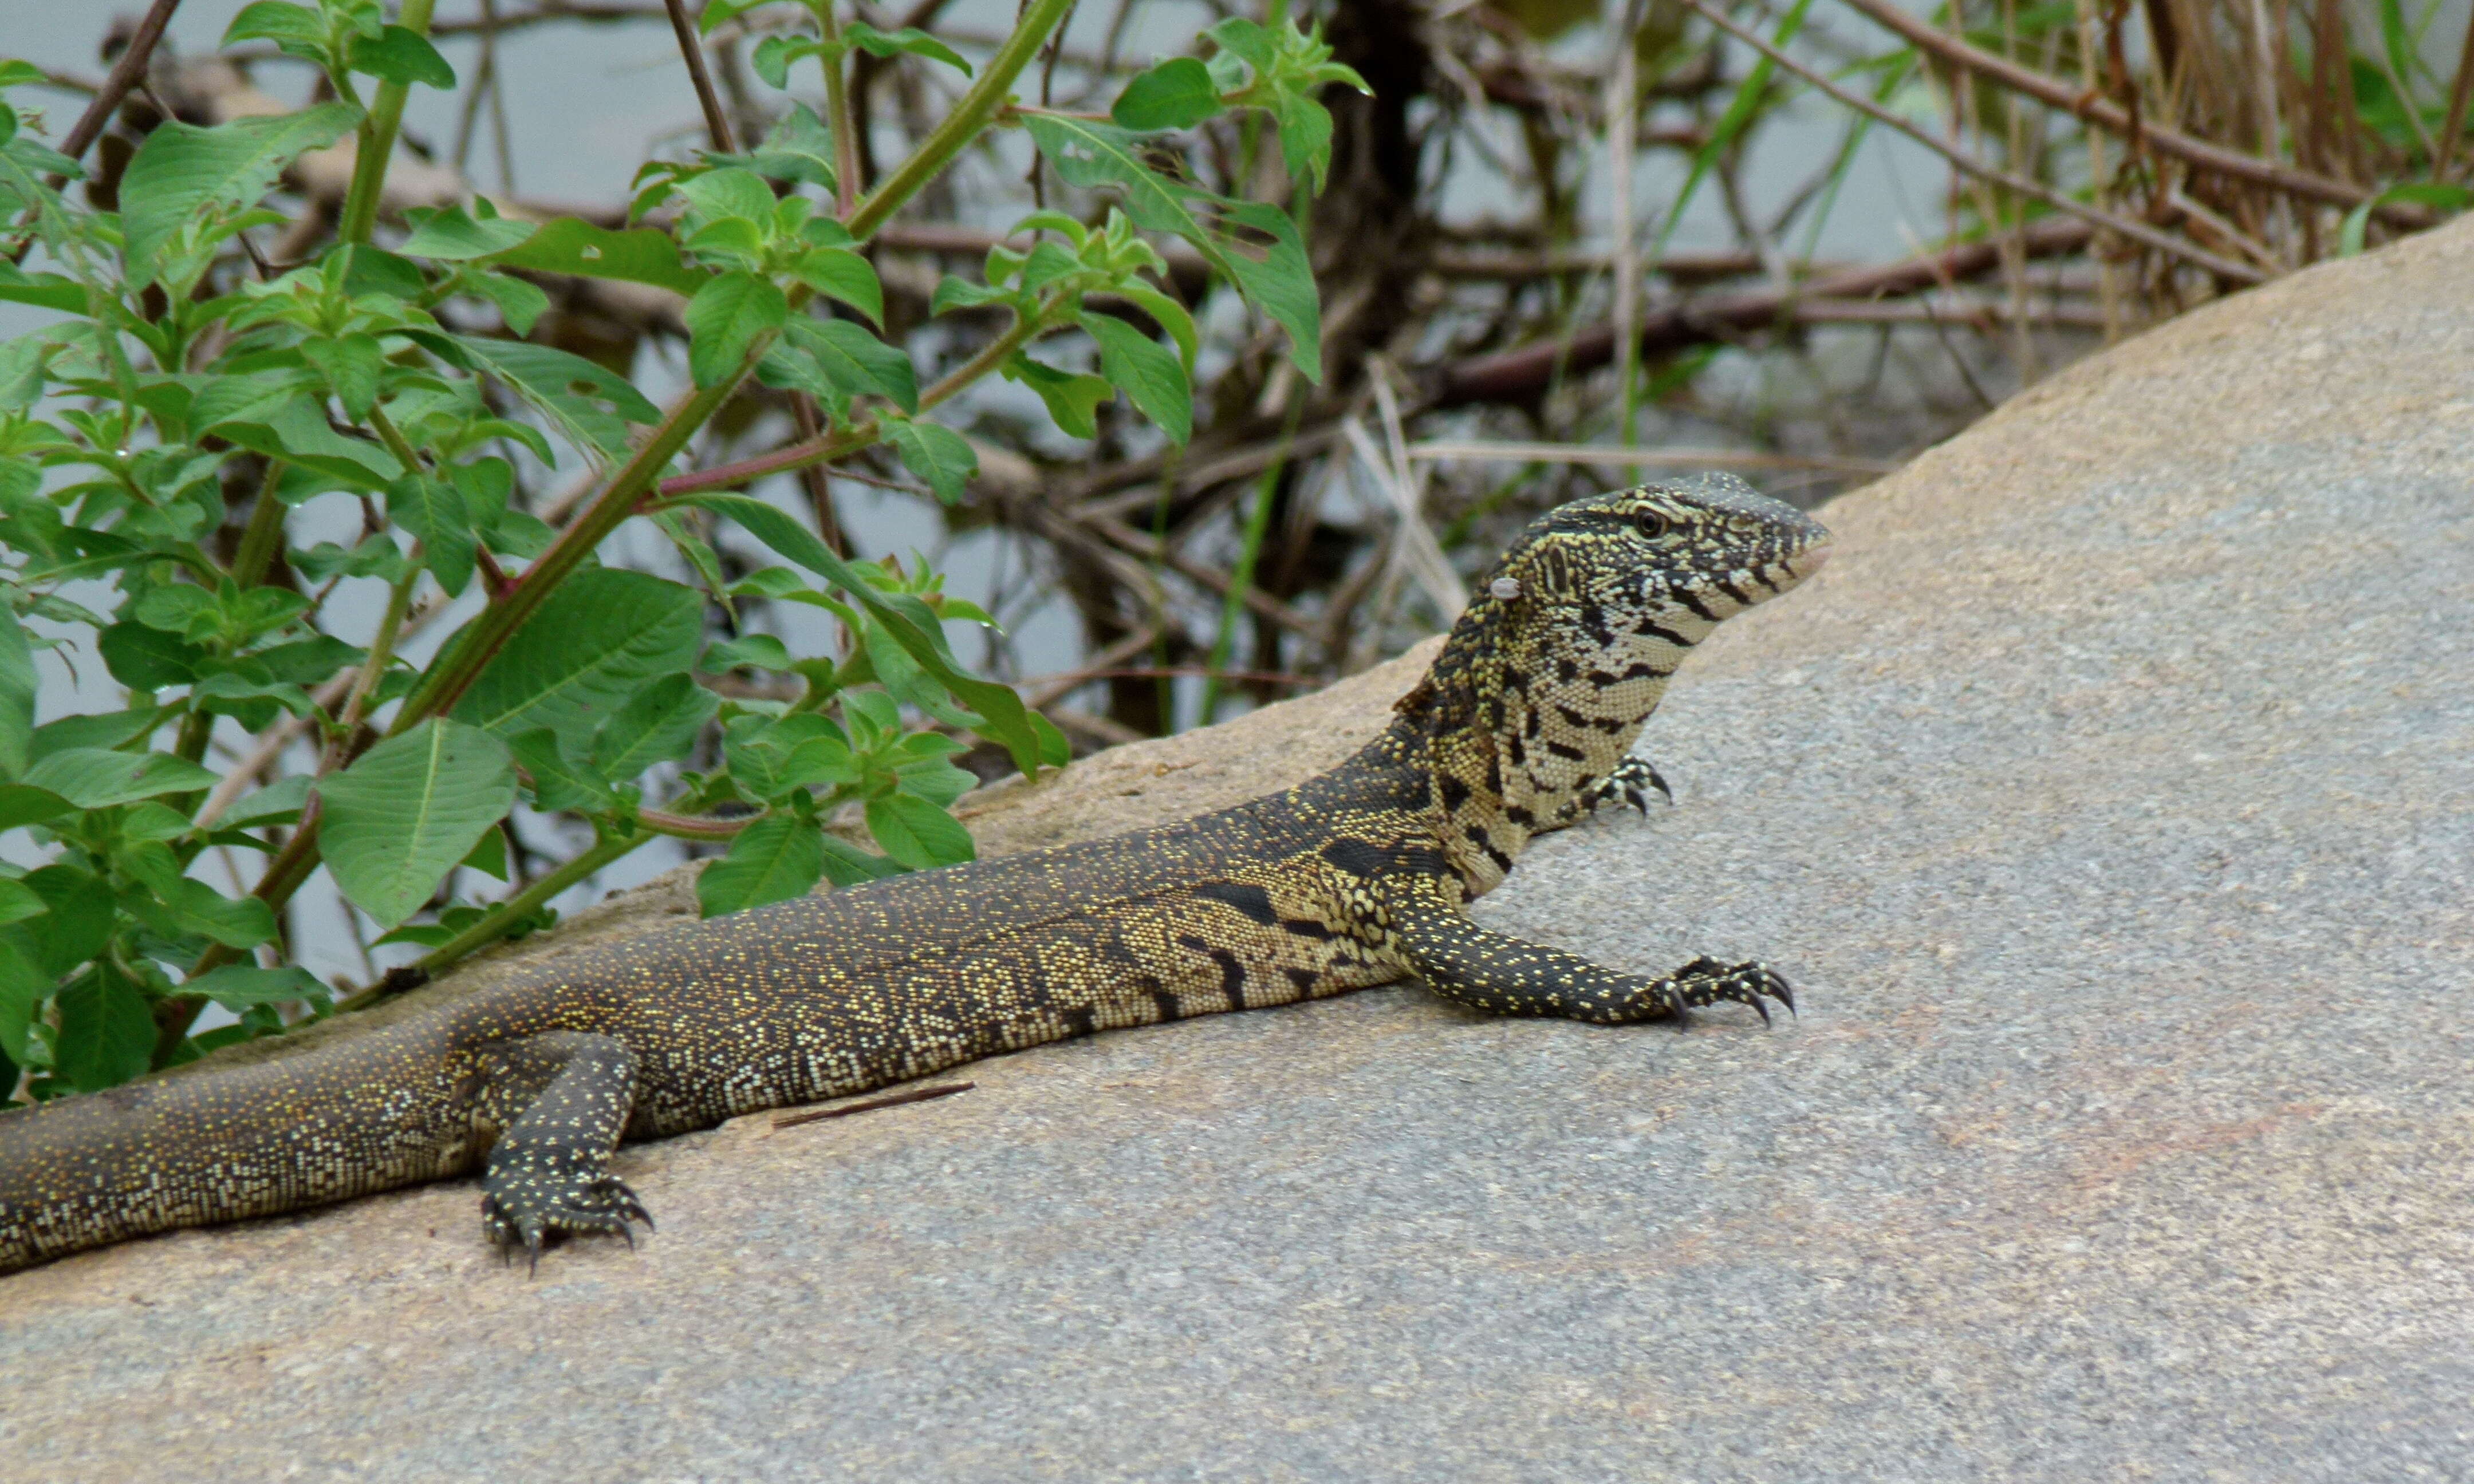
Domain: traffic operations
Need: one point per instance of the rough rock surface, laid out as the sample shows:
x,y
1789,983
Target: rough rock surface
x,y
2110,797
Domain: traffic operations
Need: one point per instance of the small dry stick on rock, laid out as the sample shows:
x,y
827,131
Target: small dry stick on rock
x,y
872,1104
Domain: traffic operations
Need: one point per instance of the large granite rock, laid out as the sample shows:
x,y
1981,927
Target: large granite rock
x,y
2108,799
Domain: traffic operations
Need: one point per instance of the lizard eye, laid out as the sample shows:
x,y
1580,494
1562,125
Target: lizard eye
x,y
1650,523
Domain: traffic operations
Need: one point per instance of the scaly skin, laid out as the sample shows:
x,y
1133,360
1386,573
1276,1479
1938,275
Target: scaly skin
x,y
1353,879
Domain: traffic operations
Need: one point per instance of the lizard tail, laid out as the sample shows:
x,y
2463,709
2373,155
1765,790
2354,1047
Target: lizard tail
x,y
220,1145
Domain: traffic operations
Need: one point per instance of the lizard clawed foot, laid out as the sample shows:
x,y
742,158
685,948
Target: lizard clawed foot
x,y
1630,781
517,1213
1705,981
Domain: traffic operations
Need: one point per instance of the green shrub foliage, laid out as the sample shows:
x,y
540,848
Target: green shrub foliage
x,y
186,396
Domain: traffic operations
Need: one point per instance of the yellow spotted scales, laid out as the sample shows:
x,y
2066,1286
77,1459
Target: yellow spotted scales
x,y
1353,879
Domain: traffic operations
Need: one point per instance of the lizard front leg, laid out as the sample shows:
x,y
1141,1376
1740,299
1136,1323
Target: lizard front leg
x,y
1630,782
563,1098
1502,975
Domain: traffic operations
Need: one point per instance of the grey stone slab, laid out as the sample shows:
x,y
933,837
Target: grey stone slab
x,y
2110,798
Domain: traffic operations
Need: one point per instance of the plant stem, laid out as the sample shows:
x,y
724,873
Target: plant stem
x,y
1240,577
717,123
456,669
837,108
376,142
381,648
689,826
851,439
964,125
263,536
393,437
493,924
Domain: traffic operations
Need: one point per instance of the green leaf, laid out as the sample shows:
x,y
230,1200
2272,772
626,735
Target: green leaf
x,y
571,245
659,724
559,781
1007,721
21,375
1072,400
910,39
454,234
847,865
249,396
436,512
398,55
183,172
1091,155
1152,378
773,56
778,857
189,908
18,902
20,804
730,192
107,1032
146,659
2420,193
81,923
23,989
917,833
520,302
800,148
297,433
598,640
274,20
839,273
1176,94
490,856
277,803
238,986
93,779
309,662
369,270
102,729
44,291
857,361
18,684
935,453
351,364
1172,317
412,807
727,317
752,651
1280,282
717,12
591,404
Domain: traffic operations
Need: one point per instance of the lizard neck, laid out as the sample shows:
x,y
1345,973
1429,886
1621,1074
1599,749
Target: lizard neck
x,y
1513,735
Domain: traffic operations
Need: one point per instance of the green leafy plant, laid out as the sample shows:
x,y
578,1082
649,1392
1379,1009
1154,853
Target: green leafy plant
x,y
156,437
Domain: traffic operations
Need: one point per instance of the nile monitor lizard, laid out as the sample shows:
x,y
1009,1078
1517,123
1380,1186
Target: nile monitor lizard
x,y
1355,878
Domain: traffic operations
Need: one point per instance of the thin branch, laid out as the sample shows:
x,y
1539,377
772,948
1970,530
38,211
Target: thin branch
x,y
1516,376
717,123
1445,451
872,1104
125,74
2136,230
2095,108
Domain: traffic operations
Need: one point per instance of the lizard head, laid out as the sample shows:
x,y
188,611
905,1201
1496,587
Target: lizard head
x,y
1686,553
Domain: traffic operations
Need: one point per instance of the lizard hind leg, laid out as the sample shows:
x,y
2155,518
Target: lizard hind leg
x,y
563,1099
